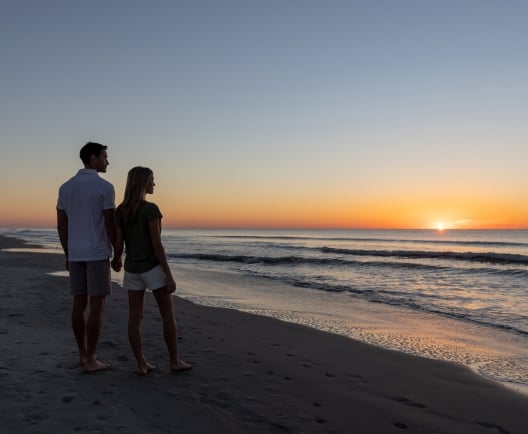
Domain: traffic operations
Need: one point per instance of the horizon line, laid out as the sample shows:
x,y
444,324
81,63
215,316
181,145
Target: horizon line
x,y
292,228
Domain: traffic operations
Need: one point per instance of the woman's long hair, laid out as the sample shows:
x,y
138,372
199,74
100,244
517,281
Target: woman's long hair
x,y
134,192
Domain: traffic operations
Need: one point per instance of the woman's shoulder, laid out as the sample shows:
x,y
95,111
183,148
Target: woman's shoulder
x,y
150,204
151,207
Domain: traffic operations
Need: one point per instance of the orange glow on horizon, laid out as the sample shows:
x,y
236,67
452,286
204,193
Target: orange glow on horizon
x,y
192,222
275,212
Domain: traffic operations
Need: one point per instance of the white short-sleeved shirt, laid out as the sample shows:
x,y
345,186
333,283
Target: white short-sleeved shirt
x,y
84,198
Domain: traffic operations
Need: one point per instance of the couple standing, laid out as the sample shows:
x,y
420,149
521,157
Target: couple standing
x,y
89,226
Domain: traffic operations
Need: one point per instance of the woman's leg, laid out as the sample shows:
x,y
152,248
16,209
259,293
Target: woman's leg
x,y
170,329
136,300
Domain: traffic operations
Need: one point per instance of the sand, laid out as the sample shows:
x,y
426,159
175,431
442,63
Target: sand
x,y
252,374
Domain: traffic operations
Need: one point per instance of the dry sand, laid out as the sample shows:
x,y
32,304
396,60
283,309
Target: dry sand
x,y
252,374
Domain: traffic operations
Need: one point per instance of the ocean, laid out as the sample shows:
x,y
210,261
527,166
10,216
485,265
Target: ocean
x,y
457,295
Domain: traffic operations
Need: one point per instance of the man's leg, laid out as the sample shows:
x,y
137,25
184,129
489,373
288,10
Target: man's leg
x,y
93,331
78,320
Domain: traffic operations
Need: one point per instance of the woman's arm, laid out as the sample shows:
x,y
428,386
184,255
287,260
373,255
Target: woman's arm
x,y
159,251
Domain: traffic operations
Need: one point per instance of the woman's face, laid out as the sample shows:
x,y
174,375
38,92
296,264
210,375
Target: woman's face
x,y
150,184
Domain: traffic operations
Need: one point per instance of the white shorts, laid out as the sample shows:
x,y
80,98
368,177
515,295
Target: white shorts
x,y
152,279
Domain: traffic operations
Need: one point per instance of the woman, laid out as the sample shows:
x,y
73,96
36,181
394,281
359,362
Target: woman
x,y
146,267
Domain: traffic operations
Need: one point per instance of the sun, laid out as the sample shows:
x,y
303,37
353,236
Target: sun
x,y
440,226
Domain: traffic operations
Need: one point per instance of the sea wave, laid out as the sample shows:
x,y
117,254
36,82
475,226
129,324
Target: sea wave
x,y
513,323
477,243
403,300
300,260
489,257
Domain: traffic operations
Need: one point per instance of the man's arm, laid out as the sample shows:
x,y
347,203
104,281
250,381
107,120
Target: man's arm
x,y
109,217
118,250
62,229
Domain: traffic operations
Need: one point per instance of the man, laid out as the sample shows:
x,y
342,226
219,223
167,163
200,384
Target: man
x,y
86,226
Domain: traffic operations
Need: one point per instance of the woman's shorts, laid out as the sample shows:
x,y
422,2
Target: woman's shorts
x,y
90,278
152,279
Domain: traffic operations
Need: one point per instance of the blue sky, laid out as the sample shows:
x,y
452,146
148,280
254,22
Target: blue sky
x,y
272,104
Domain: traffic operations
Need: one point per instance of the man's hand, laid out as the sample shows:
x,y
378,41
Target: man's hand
x,y
116,264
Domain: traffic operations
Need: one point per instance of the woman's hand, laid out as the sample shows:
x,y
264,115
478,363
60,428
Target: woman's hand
x,y
116,264
171,285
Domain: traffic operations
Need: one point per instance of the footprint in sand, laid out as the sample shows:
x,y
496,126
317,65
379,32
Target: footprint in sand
x,y
357,378
494,427
409,402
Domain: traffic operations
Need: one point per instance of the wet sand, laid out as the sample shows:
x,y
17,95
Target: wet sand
x,y
496,354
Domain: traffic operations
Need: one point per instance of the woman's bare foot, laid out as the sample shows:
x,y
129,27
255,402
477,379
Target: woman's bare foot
x,y
145,368
180,366
95,366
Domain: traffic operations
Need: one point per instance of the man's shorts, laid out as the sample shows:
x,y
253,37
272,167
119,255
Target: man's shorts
x,y
90,278
153,279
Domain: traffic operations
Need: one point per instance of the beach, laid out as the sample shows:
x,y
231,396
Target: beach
x,y
252,374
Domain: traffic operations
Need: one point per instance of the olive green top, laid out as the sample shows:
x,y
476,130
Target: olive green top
x,y
140,256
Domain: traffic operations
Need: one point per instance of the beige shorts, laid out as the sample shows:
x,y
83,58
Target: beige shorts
x,y
153,279
90,278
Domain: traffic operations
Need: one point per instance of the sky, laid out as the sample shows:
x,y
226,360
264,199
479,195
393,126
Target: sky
x,y
272,113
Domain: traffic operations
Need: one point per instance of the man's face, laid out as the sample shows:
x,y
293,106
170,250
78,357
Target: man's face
x,y
101,162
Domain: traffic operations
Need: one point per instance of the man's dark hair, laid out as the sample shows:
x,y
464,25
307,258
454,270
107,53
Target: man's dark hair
x,y
91,148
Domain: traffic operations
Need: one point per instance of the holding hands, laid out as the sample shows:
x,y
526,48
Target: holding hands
x,y
116,263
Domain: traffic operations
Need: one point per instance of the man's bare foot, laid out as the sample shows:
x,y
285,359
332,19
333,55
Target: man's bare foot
x,y
146,368
95,366
180,366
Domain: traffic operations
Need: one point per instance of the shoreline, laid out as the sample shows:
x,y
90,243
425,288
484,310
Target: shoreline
x,y
252,373
494,354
